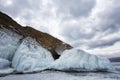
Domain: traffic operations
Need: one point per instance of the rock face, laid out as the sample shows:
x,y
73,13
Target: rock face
x,y
12,34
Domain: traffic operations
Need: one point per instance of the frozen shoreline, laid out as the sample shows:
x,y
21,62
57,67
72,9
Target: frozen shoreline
x,y
57,75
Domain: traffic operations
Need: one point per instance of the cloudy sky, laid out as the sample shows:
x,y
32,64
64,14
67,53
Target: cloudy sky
x,y
91,25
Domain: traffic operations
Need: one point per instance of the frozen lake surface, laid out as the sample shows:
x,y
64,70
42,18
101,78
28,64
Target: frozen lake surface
x,y
58,75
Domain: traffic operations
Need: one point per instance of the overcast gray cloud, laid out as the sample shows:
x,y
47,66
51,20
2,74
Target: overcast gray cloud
x,y
75,32
99,24
103,43
110,18
16,7
74,8
27,12
109,23
85,24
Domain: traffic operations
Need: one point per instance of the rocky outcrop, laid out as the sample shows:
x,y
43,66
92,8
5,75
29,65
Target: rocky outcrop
x,y
52,44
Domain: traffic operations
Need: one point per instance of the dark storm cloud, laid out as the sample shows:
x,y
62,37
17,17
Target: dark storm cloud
x,y
74,8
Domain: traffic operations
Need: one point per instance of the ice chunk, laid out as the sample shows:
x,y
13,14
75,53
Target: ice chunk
x,y
30,56
79,60
4,63
5,67
9,41
6,71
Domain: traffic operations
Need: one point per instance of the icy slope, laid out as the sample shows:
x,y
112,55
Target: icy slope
x,y
30,56
78,60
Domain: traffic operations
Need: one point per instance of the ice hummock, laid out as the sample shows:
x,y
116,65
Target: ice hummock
x,y
30,56
9,41
78,60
